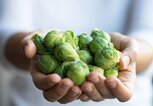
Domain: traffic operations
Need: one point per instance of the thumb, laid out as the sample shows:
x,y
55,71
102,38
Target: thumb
x,y
29,48
124,62
129,56
130,50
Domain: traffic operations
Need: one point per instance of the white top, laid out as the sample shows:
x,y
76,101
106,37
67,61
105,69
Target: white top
x,y
130,17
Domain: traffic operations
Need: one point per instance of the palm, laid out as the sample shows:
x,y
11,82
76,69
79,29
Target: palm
x,y
121,87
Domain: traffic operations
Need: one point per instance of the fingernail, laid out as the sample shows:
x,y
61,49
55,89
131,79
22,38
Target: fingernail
x,y
111,83
85,97
126,61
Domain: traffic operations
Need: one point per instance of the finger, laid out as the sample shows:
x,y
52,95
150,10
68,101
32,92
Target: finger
x,y
128,76
72,95
128,46
43,81
129,56
28,45
98,81
116,39
59,91
29,49
41,32
129,52
89,89
124,62
84,98
122,87
121,92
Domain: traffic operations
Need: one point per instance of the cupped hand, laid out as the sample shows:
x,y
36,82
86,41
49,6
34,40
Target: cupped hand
x,y
98,88
54,88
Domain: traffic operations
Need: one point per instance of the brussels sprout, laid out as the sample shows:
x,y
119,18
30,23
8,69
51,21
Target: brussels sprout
x,y
112,72
84,41
107,57
65,52
99,43
85,56
98,33
97,69
38,41
53,38
62,70
78,72
71,38
47,64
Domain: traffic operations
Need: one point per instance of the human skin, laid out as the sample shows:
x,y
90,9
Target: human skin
x,y
97,87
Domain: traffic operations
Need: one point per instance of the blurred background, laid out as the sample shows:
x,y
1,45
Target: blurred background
x,y
130,17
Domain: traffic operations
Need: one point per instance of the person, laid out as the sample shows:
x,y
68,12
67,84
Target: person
x,y
19,21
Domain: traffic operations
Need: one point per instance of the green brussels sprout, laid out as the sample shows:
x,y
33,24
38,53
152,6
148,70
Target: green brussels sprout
x,y
98,33
47,64
78,72
107,57
53,38
38,41
85,56
62,70
84,41
99,43
65,52
112,72
97,69
71,38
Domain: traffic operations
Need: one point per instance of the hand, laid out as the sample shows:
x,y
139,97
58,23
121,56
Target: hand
x,y
54,88
98,88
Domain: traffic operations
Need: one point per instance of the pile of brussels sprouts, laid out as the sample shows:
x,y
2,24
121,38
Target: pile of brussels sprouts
x,y
74,56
